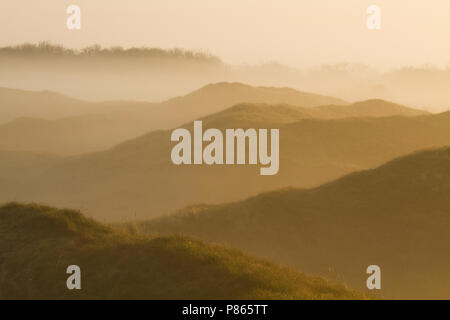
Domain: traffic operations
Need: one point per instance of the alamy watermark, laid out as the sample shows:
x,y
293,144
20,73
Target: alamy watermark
x,y
235,140
74,280
74,20
374,20
374,280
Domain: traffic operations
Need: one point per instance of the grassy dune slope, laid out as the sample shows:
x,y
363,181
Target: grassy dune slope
x,y
37,244
396,216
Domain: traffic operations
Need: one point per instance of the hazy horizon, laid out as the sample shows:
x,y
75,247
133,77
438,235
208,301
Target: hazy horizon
x,y
302,34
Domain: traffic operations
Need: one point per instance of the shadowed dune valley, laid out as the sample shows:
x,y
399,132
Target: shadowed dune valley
x,y
215,159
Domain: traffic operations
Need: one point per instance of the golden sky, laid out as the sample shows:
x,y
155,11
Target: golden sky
x,y
293,32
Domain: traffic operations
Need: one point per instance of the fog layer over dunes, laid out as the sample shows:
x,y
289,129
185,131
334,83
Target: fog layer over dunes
x,y
154,74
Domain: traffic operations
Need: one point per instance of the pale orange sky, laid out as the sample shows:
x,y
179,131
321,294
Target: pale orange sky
x,y
294,32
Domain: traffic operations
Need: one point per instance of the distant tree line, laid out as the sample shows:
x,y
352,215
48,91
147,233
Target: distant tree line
x,y
45,48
